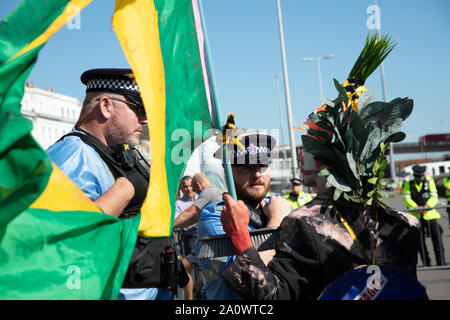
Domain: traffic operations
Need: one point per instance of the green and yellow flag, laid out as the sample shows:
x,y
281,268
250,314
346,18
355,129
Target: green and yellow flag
x,y
54,242
164,42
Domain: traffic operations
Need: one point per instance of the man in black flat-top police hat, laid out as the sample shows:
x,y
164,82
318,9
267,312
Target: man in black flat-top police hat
x,y
98,155
112,115
249,153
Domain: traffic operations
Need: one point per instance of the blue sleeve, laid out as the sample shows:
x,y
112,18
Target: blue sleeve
x,y
82,165
209,225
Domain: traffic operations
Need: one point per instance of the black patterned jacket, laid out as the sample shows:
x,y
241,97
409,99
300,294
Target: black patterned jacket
x,y
315,248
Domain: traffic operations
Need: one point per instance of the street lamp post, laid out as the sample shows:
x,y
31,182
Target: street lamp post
x,y
383,86
318,69
277,76
287,94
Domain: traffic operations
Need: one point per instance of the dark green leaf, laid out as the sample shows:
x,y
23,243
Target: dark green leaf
x,y
373,110
321,133
407,108
396,137
342,97
352,165
337,193
393,127
338,182
348,140
343,168
373,141
325,156
311,143
370,160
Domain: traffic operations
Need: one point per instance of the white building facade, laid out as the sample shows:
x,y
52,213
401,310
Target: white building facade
x,y
52,114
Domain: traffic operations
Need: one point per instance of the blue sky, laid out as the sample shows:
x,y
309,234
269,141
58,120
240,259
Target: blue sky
x,y
245,47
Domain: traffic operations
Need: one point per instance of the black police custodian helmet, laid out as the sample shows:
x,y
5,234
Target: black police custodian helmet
x,y
113,80
419,171
248,147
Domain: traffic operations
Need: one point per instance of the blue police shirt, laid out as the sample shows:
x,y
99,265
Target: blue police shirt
x,y
82,164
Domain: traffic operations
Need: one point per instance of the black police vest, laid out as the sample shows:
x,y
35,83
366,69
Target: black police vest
x,y
146,268
420,197
136,174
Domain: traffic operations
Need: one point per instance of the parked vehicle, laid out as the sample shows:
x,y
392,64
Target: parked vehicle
x,y
438,170
433,169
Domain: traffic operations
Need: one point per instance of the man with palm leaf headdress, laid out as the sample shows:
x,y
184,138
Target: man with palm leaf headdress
x,y
347,226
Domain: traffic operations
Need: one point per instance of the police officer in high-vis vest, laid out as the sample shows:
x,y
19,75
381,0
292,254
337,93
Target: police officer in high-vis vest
x,y
297,197
447,193
421,193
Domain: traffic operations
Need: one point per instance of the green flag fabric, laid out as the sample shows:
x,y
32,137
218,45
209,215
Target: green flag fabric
x,y
165,44
54,242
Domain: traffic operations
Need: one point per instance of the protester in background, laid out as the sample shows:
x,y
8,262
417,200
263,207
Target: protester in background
x,y
250,167
447,194
207,193
421,194
186,236
188,194
297,197
186,201
100,158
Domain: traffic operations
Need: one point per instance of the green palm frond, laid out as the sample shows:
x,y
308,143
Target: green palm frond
x,y
372,55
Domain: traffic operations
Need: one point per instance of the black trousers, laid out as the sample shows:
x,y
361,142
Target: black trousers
x,y
433,229
189,242
448,213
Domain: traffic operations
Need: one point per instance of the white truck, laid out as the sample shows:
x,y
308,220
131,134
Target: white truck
x,y
434,169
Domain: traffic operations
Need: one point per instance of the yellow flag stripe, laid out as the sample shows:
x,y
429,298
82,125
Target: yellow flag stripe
x,y
71,9
61,194
136,25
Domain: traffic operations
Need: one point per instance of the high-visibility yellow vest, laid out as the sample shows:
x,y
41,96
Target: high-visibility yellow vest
x,y
303,198
425,192
447,188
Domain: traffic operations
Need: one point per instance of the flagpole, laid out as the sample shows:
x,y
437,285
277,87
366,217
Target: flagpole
x,y
215,101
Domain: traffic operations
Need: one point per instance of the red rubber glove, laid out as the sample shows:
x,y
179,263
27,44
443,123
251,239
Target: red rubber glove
x,y
235,221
